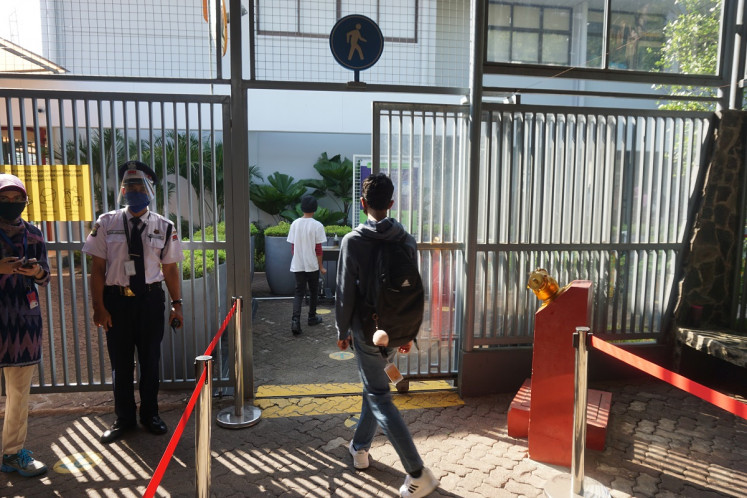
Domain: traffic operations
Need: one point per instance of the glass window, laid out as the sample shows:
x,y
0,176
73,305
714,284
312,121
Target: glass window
x,y
645,35
525,47
528,33
555,49
315,18
526,17
499,15
498,46
556,19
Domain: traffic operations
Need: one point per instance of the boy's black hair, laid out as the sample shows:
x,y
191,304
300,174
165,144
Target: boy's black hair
x,y
308,204
377,190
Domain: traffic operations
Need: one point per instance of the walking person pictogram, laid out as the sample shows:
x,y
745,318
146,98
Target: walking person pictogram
x,y
353,37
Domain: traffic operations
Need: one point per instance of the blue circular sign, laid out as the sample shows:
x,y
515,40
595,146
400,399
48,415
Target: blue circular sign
x,y
356,42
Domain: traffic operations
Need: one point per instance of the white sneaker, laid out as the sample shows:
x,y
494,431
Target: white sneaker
x,y
360,457
422,486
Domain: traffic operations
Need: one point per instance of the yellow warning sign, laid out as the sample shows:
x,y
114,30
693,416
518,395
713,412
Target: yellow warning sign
x,y
55,192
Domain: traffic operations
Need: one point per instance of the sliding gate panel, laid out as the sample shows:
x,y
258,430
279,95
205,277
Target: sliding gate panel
x,y
587,195
181,138
423,149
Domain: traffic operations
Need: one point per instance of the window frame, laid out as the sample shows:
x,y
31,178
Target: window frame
x,y
540,31
338,15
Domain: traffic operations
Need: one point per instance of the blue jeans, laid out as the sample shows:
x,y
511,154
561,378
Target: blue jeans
x,y
378,408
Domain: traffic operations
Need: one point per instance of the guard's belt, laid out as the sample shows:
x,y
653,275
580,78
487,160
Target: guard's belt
x,y
126,291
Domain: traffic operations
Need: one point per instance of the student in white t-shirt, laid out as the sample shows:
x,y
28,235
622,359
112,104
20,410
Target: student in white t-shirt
x,y
306,236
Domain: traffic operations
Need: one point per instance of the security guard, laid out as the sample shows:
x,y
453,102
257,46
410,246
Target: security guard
x,y
133,250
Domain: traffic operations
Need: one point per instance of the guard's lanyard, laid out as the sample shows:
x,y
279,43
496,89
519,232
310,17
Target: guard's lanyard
x,y
127,231
12,245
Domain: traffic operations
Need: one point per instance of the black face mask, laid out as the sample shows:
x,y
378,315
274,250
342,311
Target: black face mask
x,y
10,211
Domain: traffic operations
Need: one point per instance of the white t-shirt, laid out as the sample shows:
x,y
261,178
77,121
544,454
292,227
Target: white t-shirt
x,y
305,234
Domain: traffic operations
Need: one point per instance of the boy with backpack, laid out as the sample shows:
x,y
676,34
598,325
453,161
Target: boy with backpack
x,y
306,236
367,273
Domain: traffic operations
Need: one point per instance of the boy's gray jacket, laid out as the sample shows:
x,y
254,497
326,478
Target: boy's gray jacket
x,y
355,267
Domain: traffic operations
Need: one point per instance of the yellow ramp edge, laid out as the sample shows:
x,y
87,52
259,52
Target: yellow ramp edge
x,y
335,405
282,391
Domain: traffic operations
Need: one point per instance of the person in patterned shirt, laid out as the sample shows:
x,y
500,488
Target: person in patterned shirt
x,y
23,267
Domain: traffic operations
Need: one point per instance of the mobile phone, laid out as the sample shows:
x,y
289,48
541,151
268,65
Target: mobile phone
x,y
29,263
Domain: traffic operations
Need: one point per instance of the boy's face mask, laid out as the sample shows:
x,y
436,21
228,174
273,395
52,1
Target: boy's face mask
x,y
11,211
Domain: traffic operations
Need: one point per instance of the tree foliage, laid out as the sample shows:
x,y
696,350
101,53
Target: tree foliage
x,y
691,47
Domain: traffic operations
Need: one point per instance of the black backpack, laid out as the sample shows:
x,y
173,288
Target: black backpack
x,y
394,300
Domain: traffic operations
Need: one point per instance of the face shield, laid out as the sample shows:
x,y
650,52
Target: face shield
x,y
137,191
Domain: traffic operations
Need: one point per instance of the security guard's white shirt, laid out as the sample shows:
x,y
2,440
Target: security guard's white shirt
x,y
107,240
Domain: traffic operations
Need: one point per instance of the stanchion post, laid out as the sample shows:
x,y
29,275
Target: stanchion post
x,y
580,341
238,401
238,416
575,485
203,423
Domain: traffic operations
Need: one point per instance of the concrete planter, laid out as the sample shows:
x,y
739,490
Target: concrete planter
x,y
277,266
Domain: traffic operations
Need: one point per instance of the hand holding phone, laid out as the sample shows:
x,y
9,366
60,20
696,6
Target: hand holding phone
x,y
29,263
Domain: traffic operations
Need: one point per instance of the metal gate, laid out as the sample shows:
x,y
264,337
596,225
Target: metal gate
x,y
423,149
587,194
181,137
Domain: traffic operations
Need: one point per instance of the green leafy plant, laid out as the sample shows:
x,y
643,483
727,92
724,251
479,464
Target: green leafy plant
x,y
196,267
336,182
280,193
339,230
322,215
102,147
279,230
190,158
692,48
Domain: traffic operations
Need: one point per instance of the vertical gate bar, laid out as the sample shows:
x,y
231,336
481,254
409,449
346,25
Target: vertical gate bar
x,y
71,253
105,204
11,129
477,39
22,130
375,138
421,171
3,153
413,227
177,191
401,194
84,261
442,196
171,344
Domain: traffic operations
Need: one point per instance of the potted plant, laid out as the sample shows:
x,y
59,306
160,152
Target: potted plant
x,y
278,259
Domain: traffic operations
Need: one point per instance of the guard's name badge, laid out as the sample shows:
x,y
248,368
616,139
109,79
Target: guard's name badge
x,y
129,268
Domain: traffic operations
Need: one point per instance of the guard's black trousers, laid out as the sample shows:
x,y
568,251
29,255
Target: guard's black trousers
x,y
137,324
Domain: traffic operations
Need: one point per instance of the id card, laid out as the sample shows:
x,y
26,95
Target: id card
x,y
393,373
32,298
129,268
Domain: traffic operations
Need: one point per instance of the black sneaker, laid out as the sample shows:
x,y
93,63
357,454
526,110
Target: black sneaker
x,y
296,326
315,320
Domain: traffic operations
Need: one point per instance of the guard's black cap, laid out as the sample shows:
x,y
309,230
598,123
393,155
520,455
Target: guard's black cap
x,y
308,204
138,166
